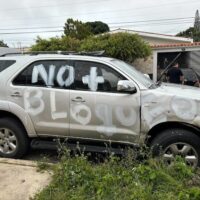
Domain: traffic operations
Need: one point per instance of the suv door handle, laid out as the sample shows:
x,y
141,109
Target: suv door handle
x,y
78,99
16,94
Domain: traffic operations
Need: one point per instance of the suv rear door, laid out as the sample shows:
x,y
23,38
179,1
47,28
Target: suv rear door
x,y
41,90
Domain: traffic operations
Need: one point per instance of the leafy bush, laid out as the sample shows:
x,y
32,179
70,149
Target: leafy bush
x,y
77,178
124,46
56,44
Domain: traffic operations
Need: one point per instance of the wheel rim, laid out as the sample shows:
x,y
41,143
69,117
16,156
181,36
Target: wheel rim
x,y
8,141
184,150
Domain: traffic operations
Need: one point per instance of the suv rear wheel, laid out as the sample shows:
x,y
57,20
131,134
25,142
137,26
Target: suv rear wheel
x,y
177,142
14,142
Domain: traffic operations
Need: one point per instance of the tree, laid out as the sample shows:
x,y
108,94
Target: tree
x,y
124,46
76,29
193,32
197,21
2,44
80,30
98,27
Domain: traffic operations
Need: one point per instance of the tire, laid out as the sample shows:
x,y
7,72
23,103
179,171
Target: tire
x,y
180,142
14,142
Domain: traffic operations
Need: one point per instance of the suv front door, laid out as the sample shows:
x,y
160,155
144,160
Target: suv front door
x,y
97,109
42,90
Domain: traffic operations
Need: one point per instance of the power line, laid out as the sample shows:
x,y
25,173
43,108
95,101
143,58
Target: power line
x,y
59,31
155,20
152,24
50,6
129,22
28,28
15,33
64,4
110,11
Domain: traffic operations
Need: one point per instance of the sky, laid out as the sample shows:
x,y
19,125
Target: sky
x,y
23,20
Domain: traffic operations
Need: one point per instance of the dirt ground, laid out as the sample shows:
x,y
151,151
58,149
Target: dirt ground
x,y
20,179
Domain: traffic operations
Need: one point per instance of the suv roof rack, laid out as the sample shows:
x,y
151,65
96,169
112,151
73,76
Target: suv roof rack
x,y
84,53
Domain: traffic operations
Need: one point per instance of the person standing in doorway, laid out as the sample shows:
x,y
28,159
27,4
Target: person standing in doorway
x,y
175,75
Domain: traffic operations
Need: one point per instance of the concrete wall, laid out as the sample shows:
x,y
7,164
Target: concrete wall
x,y
144,65
157,41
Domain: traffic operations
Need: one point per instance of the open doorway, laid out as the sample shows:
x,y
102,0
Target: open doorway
x,y
189,63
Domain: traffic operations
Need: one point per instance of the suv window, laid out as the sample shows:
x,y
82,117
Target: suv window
x,y
52,73
4,64
95,76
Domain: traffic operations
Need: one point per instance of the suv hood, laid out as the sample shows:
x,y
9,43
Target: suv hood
x,y
180,90
170,102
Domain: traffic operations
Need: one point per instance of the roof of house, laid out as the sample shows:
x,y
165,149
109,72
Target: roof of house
x,y
154,35
5,50
175,45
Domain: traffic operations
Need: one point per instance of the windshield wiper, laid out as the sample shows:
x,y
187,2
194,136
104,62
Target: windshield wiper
x,y
152,86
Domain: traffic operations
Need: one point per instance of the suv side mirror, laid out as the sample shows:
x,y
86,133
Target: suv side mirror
x,y
147,75
126,86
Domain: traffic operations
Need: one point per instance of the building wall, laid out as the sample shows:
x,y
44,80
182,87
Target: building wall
x,y
144,65
194,61
158,41
6,50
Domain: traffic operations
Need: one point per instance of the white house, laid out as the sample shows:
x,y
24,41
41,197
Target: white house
x,y
155,38
6,50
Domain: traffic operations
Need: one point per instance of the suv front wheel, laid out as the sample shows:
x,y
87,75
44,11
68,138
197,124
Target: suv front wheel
x,y
13,139
177,142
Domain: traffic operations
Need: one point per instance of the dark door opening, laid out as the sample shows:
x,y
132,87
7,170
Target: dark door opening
x,y
189,63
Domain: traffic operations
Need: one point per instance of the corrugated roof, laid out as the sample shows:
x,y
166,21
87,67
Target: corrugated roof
x,y
175,45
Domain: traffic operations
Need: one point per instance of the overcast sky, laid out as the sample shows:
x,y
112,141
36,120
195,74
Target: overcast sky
x,y
45,16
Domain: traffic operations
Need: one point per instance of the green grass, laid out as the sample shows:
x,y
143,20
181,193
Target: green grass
x,y
76,178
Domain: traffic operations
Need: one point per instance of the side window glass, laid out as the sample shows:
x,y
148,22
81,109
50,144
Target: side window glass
x,y
94,76
4,64
57,74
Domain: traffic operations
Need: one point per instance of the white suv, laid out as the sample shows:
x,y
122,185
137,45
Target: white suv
x,y
93,100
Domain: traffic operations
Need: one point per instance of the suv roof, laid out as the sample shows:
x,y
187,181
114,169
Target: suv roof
x,y
92,53
55,54
27,57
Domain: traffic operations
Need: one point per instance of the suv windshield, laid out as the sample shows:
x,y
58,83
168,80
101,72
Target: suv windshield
x,y
4,64
141,78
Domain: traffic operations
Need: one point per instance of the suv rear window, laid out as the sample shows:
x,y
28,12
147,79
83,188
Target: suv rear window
x,y
4,64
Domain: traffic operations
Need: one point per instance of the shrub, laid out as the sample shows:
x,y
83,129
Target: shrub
x,y
77,178
56,44
122,46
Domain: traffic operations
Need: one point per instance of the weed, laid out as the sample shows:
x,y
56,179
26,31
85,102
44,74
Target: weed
x,y
75,177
